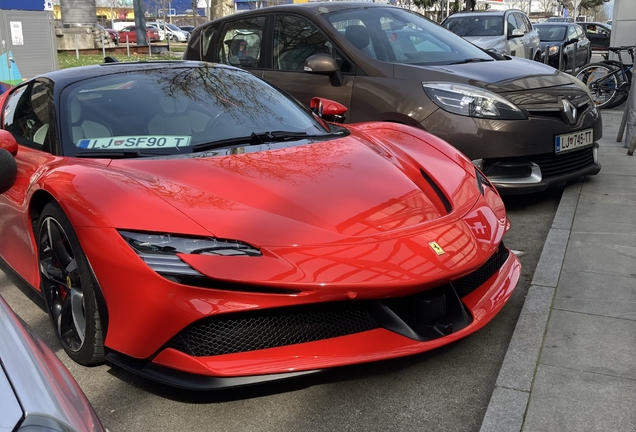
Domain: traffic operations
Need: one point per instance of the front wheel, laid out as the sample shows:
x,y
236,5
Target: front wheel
x,y
68,285
602,82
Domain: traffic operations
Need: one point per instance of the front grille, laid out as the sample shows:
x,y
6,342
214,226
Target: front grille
x,y
474,280
242,332
556,164
270,328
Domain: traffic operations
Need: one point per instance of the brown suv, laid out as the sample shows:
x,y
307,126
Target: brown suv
x,y
525,124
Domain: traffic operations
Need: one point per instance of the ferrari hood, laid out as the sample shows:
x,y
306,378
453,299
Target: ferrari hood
x,y
296,194
497,76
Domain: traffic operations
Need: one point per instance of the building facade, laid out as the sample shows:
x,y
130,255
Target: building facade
x,y
27,33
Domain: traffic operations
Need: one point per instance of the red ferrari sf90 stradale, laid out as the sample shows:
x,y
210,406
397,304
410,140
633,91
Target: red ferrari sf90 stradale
x,y
191,223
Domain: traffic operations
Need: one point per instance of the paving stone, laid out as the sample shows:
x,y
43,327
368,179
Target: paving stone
x,y
591,343
564,400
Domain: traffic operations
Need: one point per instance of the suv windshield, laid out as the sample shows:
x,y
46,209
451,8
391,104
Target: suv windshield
x,y
482,25
173,110
399,36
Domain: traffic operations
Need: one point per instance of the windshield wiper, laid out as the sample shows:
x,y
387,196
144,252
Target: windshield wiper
x,y
472,60
255,139
116,154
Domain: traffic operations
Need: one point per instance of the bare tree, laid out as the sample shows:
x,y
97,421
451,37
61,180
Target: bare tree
x,y
547,6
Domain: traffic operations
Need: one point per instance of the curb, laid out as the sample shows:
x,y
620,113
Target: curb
x,y
507,408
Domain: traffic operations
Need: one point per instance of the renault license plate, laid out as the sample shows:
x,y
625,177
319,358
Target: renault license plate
x,y
573,141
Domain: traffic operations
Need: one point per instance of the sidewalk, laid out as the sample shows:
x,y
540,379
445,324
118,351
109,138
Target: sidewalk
x,y
571,362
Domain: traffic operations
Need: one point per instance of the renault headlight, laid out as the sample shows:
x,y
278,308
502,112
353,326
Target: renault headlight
x,y
553,49
471,101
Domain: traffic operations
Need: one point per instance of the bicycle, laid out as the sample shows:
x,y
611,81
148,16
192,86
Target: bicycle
x,y
609,81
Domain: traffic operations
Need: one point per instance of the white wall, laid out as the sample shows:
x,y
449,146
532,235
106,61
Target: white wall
x,y
624,23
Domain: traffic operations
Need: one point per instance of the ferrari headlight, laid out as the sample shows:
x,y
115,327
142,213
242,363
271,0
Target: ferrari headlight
x,y
553,49
160,250
471,101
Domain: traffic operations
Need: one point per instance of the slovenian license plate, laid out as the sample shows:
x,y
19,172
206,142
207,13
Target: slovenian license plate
x,y
572,141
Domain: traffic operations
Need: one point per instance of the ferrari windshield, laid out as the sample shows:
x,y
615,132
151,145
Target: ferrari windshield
x,y
399,36
171,110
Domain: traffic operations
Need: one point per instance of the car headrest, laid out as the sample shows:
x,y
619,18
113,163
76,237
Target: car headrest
x,y
76,110
173,106
358,35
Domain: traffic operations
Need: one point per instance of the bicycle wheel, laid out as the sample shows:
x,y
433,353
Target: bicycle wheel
x,y
602,82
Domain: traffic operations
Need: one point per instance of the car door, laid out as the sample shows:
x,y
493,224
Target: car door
x,y
583,46
240,43
27,115
598,36
570,37
129,35
532,41
294,39
515,44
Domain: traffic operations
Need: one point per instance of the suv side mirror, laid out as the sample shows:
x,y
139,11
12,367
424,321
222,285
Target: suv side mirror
x,y
8,170
328,110
324,64
516,33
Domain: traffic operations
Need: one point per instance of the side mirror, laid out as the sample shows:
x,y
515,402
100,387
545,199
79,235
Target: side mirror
x,y
328,110
515,33
324,64
8,142
8,170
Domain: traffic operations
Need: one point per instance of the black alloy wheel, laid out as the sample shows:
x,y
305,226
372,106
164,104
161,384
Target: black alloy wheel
x,y
68,285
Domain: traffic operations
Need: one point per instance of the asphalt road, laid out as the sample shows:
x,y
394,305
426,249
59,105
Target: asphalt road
x,y
444,390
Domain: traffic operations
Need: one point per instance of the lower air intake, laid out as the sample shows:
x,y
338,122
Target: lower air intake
x,y
270,328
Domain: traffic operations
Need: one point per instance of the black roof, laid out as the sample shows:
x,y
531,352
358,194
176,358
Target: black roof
x,y
74,74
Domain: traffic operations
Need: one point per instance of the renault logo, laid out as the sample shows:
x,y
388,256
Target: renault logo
x,y
569,110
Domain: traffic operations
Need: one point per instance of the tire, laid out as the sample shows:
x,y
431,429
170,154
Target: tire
x,y
604,90
537,56
69,287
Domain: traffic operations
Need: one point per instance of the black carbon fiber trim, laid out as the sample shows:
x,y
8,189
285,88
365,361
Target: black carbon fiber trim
x,y
474,280
271,328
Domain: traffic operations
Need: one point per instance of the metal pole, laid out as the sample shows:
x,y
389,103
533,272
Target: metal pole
x,y
573,72
149,49
561,56
447,8
104,46
630,132
127,47
546,55
76,48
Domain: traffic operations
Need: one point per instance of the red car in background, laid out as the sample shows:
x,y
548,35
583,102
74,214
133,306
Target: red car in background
x,y
112,34
152,35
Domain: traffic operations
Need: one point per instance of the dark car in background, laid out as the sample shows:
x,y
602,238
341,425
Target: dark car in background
x,y
599,34
526,125
563,39
506,32
187,28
